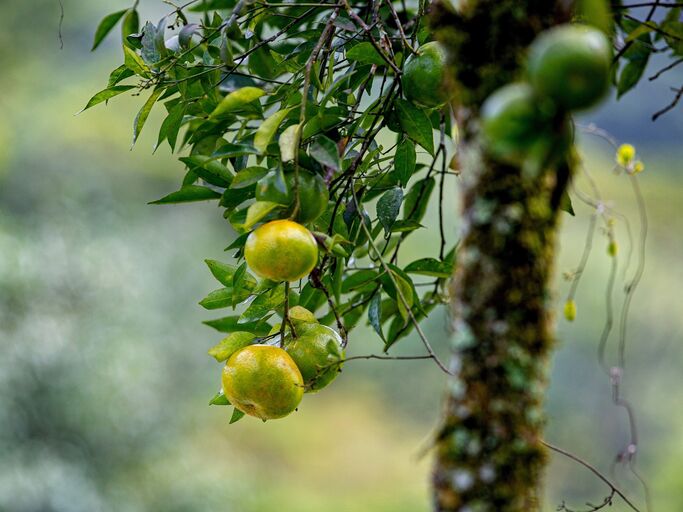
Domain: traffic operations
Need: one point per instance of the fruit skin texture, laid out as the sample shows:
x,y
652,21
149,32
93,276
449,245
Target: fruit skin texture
x,y
423,76
313,193
571,65
263,381
281,250
315,351
514,123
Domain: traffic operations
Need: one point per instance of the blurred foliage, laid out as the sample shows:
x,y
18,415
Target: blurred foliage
x,y
103,373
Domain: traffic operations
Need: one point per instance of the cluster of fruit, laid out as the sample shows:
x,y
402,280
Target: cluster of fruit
x,y
527,123
268,380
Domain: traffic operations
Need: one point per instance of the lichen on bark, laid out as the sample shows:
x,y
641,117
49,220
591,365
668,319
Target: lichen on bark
x,y
488,454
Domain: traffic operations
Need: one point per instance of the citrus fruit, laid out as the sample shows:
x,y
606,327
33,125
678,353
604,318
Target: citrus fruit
x,y
279,188
423,76
571,65
513,123
263,381
317,352
301,315
281,250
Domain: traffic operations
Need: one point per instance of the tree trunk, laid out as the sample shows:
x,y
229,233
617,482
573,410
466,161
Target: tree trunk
x,y
488,455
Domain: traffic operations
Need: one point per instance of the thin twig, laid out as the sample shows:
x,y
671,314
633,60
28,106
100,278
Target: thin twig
x,y
593,470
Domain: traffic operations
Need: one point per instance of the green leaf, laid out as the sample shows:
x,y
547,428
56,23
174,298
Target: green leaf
x,y
375,314
289,142
171,126
366,53
237,100
236,416
248,176
417,199
231,344
404,161
268,128
223,298
104,95
388,207
209,169
430,267
105,26
119,74
263,304
405,298
229,324
630,75
405,226
325,151
187,194
149,52
219,399
415,122
230,150
258,211
134,62
223,272
358,279
143,114
130,25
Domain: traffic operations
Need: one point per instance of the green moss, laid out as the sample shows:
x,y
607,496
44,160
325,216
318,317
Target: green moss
x,y
494,414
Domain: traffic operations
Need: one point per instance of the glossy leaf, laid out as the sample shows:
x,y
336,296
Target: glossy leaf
x,y
229,324
430,267
187,194
105,26
325,151
237,100
143,114
415,122
404,161
388,207
231,344
366,53
107,94
223,298
263,304
268,128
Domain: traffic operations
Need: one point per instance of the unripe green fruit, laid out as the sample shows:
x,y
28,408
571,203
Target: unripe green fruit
x,y
516,124
571,65
318,353
423,76
313,193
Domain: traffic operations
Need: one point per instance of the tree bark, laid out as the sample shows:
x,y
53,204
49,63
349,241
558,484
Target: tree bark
x,y
488,454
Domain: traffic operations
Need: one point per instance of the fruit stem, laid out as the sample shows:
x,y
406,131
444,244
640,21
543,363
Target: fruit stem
x,y
286,321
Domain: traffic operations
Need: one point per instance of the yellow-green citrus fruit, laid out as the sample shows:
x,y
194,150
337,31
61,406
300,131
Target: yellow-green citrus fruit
x,y
263,381
513,123
571,65
313,193
423,76
318,353
281,250
301,315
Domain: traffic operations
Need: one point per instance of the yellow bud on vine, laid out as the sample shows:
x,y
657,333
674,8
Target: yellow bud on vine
x,y
638,167
612,248
625,155
570,310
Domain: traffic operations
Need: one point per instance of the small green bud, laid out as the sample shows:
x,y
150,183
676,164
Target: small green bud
x,y
612,248
570,310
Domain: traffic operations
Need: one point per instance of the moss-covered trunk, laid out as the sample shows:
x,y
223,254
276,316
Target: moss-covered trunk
x,y
489,456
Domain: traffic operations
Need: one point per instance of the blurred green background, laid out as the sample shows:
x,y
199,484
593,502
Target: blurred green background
x,y
104,377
